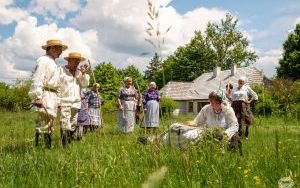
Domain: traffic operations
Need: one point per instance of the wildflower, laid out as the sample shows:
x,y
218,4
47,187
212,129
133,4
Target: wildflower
x,y
256,180
246,173
239,167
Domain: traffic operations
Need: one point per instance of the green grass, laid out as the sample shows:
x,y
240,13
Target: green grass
x,y
109,159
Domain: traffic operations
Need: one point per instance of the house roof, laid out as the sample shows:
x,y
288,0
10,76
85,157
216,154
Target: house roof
x,y
207,82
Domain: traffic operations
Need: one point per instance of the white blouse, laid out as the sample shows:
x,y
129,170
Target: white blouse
x,y
225,119
243,93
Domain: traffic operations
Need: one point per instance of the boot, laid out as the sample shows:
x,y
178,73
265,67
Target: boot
x,y
37,135
63,136
48,140
69,136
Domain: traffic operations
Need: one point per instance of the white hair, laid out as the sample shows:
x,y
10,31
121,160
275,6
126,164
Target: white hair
x,y
152,83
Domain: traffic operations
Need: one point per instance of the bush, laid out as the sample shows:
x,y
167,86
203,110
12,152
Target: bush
x,y
167,106
14,97
265,105
109,106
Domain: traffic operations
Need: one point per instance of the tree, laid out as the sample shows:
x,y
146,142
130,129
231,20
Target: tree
x,y
153,67
221,45
228,44
138,80
110,81
289,65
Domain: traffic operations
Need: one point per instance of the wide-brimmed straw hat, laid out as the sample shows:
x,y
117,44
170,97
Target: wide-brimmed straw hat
x,y
54,42
74,55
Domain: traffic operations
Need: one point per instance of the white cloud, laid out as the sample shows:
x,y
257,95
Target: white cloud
x,y
54,8
108,30
19,52
8,69
9,14
121,27
269,61
297,21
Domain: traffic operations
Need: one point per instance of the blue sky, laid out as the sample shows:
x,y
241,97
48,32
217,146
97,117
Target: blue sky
x,y
114,30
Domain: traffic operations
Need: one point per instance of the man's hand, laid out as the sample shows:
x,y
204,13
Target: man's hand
x,y
83,70
248,101
121,107
39,103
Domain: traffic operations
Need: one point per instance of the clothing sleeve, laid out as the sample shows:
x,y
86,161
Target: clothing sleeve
x,y
158,97
145,99
252,93
83,79
201,117
119,94
231,121
38,78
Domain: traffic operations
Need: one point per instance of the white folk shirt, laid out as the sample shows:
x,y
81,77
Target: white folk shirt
x,y
243,93
42,83
225,119
70,87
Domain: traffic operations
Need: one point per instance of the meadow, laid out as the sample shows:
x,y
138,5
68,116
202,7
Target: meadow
x,y
106,158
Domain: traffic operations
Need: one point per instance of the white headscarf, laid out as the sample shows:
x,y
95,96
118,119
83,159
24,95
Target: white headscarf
x,y
243,78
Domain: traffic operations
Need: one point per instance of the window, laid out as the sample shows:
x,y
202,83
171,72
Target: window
x,y
199,106
191,106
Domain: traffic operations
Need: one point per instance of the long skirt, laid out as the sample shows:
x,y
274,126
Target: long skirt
x,y
95,118
243,114
152,114
83,114
126,117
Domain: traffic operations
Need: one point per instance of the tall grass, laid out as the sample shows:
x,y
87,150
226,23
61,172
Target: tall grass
x,y
109,159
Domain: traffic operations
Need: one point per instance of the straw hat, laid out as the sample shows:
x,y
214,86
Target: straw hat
x,y
75,55
54,42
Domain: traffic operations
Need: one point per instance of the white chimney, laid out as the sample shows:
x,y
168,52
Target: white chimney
x,y
217,71
233,69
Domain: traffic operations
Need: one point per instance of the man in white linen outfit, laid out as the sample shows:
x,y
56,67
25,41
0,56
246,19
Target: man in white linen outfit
x,y
43,91
70,82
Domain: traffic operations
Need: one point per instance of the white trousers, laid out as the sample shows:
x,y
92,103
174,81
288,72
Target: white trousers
x,y
68,117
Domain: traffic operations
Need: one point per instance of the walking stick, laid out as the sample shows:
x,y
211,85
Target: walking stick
x,y
142,110
100,116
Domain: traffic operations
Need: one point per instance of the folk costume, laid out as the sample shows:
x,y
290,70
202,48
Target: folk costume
x,y
44,88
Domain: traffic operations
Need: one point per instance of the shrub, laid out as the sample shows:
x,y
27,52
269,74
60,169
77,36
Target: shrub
x,y
14,97
167,106
265,105
109,106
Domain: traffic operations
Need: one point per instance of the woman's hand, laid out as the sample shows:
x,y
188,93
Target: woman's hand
x,y
39,103
190,123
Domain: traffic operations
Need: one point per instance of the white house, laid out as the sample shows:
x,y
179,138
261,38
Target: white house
x,y
192,96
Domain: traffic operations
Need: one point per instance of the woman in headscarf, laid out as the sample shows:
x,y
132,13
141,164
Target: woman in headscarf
x,y
94,102
126,100
151,107
218,115
241,105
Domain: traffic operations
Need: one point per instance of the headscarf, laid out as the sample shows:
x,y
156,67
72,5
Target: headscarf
x,y
243,78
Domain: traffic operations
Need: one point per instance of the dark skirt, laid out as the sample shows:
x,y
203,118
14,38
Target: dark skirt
x,y
242,112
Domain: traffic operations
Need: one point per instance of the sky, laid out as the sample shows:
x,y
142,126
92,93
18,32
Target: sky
x,y
114,30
